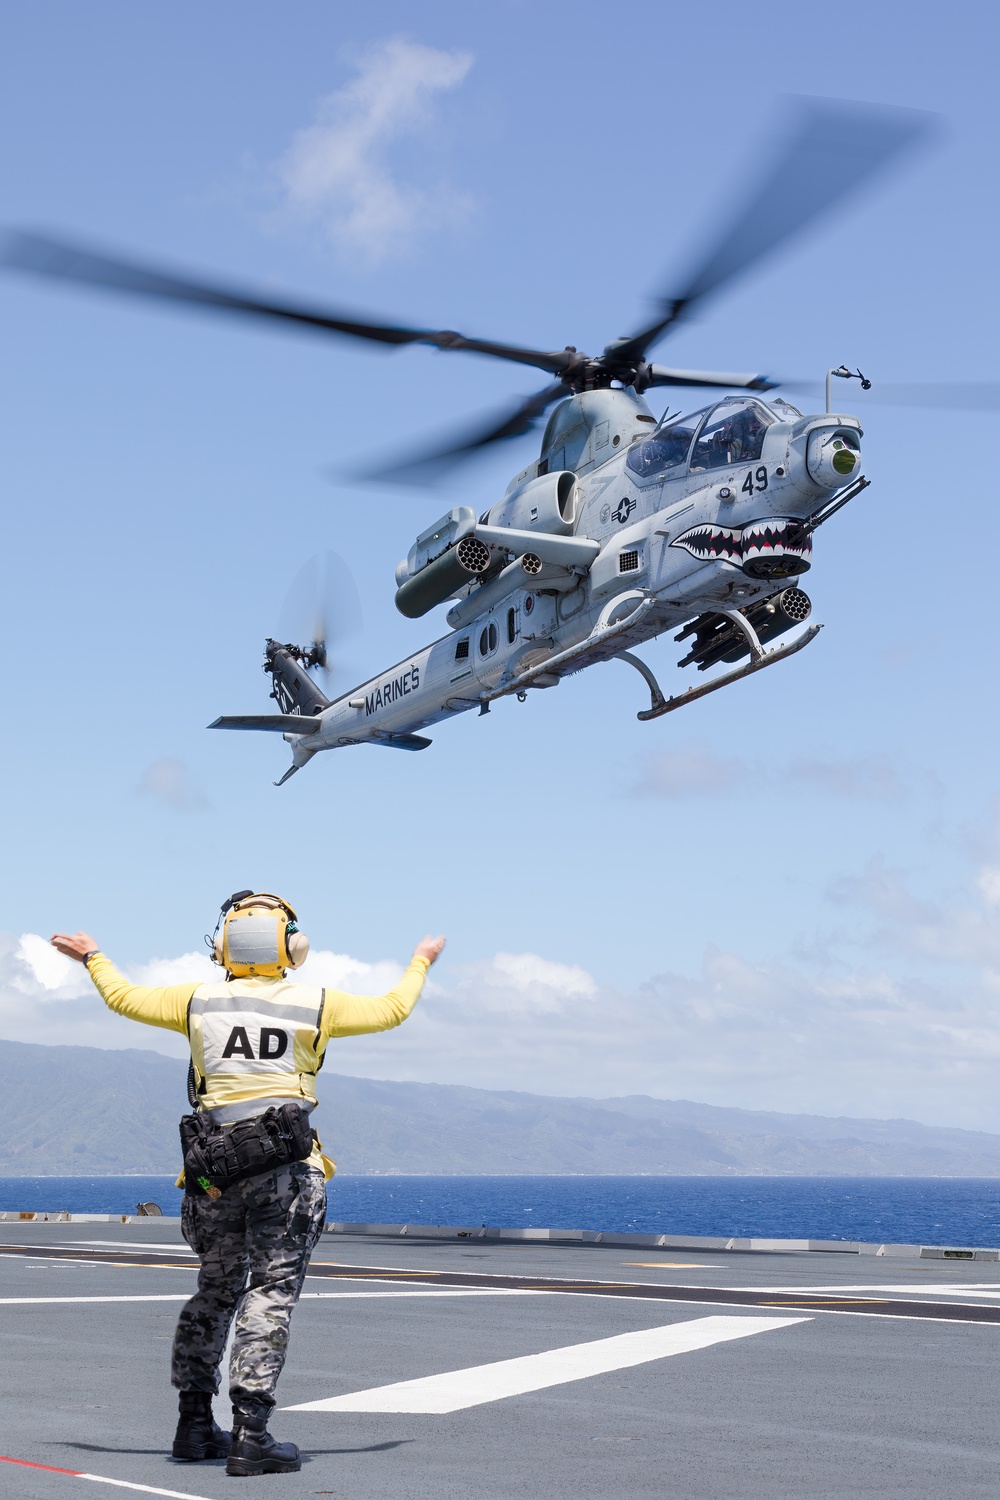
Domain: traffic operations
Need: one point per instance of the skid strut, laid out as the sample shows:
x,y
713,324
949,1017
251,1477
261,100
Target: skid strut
x,y
759,658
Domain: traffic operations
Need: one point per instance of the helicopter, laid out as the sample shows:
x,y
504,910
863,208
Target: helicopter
x,y
626,525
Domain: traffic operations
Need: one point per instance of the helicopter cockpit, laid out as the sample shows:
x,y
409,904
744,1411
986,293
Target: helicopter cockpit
x,y
730,432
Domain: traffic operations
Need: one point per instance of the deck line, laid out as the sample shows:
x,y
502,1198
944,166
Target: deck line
x,y
949,1312
403,1291
123,1484
457,1390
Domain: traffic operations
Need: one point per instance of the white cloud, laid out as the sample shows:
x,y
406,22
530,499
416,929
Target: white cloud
x,y
963,932
38,969
341,972
857,777
908,1026
45,997
169,781
190,968
338,173
696,771
693,772
519,984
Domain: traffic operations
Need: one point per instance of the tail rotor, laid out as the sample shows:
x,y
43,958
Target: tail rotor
x,y
322,611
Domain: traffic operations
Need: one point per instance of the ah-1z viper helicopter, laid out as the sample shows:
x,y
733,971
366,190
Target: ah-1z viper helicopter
x,y
625,526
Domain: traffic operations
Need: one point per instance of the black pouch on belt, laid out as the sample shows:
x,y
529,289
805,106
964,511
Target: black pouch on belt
x,y
216,1155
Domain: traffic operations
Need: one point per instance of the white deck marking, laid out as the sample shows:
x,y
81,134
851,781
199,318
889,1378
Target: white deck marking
x,y
147,1489
122,1484
458,1389
403,1291
40,1301
137,1245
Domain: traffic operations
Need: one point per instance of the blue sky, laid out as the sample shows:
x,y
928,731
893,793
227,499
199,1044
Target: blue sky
x,y
786,896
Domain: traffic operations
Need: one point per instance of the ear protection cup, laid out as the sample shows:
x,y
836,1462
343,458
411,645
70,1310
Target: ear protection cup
x,y
298,947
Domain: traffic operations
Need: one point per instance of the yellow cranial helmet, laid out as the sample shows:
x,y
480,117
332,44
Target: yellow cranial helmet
x,y
259,936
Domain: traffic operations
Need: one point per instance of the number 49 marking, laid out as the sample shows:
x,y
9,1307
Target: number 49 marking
x,y
759,475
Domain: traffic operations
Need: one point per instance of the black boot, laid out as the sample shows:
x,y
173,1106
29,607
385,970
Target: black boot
x,y
254,1450
197,1435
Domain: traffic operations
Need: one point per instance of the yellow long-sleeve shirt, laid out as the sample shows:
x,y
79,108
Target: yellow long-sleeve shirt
x,y
341,1014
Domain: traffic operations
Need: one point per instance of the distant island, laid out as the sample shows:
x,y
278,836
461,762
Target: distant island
x,y
86,1111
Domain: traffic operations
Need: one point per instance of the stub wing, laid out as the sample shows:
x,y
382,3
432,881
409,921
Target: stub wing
x,y
277,723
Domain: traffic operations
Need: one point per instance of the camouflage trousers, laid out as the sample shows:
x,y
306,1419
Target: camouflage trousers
x,y
254,1244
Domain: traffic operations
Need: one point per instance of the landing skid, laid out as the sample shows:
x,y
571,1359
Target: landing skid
x,y
759,659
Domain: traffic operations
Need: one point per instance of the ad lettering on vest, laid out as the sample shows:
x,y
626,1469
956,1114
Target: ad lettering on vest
x,y
242,1042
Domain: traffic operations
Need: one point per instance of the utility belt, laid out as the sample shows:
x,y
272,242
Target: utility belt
x,y
217,1155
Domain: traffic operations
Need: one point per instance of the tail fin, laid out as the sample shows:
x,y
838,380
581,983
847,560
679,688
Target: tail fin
x,y
293,689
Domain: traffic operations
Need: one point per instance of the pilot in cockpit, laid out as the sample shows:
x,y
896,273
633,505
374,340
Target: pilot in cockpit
x,y
739,439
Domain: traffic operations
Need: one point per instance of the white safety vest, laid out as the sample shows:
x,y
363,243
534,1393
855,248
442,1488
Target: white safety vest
x,y
255,1043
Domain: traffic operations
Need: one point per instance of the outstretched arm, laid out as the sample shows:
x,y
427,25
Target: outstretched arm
x,y
165,1006
354,1015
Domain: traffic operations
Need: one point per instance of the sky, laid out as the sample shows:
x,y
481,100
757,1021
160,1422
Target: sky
x,y
785,897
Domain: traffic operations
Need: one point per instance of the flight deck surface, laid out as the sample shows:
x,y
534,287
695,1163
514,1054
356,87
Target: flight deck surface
x,y
429,1368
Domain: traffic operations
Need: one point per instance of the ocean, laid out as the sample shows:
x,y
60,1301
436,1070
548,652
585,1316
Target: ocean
x,y
897,1210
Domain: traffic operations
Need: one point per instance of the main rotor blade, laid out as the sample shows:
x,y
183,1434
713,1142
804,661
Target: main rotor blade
x,y
955,395
428,466
62,260
661,375
834,148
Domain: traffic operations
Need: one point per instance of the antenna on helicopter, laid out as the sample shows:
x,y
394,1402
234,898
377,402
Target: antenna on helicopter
x,y
843,373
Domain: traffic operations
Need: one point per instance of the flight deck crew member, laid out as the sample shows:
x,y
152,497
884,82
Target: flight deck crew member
x,y
257,1042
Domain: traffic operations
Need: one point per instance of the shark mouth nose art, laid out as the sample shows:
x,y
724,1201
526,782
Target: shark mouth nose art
x,y
775,548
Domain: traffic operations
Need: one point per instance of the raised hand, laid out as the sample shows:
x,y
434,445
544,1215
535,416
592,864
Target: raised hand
x,y
78,944
429,948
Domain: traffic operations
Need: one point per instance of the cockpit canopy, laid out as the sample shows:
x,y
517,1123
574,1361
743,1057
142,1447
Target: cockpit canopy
x,y
730,432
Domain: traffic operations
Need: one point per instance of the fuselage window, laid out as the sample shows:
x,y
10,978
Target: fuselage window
x,y
667,450
733,434
489,638
511,626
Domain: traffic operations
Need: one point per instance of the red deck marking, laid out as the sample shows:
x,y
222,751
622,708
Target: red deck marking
x,y
49,1468
122,1484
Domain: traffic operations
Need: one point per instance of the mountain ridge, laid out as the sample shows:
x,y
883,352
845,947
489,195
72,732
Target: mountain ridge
x,y
79,1111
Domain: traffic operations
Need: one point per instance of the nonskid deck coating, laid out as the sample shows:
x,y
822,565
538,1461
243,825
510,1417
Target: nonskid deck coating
x,y
870,1377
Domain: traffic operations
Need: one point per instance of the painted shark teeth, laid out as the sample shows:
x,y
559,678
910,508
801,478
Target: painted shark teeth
x,y
710,542
776,546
